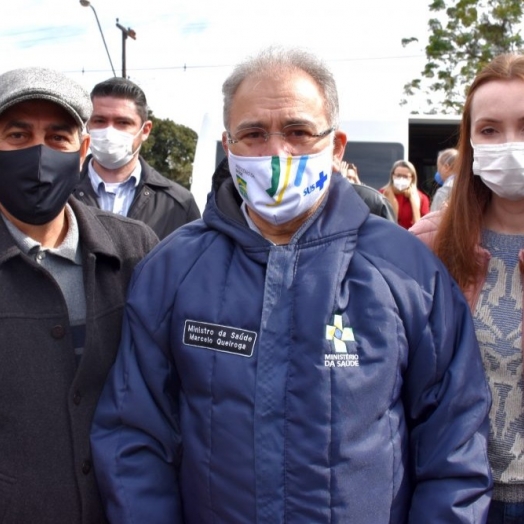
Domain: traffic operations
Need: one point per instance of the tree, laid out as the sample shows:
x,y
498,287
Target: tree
x,y
170,149
474,32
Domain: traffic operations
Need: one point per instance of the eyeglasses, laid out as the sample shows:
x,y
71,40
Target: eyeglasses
x,y
294,135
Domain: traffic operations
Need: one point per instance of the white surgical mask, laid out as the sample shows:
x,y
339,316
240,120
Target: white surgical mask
x,y
501,168
401,184
111,147
280,188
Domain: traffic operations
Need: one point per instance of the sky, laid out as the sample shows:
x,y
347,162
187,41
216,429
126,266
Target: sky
x,y
184,49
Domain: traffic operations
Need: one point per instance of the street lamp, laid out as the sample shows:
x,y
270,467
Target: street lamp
x,y
87,3
125,33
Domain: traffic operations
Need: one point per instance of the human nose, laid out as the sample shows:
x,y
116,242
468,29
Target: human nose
x,y
275,144
514,136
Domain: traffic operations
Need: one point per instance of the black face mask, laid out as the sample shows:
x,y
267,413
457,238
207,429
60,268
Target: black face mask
x,y
36,182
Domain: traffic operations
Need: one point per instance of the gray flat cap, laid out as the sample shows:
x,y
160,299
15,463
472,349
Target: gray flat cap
x,y
38,83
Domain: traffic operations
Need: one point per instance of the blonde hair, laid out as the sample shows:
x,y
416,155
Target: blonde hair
x,y
389,189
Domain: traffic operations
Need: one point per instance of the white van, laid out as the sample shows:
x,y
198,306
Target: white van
x,y
373,146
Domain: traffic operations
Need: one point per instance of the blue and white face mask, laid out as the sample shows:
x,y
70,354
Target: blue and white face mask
x,y
281,188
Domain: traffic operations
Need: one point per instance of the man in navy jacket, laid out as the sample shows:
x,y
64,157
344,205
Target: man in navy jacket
x,y
291,358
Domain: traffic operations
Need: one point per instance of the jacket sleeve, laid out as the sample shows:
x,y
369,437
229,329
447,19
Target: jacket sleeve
x,y
136,456
447,403
378,204
426,228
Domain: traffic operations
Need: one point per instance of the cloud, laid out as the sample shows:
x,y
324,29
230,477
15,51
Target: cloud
x,y
185,49
40,36
195,27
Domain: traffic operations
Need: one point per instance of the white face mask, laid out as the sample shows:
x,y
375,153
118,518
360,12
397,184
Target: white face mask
x,y
501,168
112,148
280,188
401,184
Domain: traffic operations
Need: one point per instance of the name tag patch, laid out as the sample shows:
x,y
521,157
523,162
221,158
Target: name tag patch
x,y
219,338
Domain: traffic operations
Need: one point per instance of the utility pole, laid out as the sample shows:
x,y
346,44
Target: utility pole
x,y
125,33
87,3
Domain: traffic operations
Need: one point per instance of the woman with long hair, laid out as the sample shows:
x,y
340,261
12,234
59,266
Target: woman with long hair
x,y
480,238
408,202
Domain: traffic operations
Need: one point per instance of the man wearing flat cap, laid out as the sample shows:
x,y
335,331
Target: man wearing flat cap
x,y
64,270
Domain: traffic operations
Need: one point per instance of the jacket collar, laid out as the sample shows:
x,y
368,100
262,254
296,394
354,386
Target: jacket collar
x,y
8,246
94,237
149,176
341,211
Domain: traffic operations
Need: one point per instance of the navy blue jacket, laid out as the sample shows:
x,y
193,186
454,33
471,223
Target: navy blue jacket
x,y
335,379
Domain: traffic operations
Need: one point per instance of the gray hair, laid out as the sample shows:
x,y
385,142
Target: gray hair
x,y
276,59
448,157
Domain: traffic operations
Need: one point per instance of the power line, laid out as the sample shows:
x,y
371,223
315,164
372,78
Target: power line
x,y
186,67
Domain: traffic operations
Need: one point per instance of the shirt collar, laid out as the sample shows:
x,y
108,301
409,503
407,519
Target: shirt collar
x,y
449,181
97,182
250,222
69,248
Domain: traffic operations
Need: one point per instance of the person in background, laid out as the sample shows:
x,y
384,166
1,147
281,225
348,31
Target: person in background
x,y
445,165
115,177
349,170
480,238
378,204
292,357
64,270
407,201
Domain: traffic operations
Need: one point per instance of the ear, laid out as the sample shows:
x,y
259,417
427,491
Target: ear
x,y
339,147
224,143
84,147
146,129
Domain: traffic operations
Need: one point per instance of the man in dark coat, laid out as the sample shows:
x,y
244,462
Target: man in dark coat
x,y
64,270
115,178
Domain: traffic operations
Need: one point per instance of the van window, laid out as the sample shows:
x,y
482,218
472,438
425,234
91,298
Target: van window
x,y
426,140
373,160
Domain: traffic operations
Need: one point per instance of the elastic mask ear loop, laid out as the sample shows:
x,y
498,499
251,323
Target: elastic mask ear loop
x,y
140,130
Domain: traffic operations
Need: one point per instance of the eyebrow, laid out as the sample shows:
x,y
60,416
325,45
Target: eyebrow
x,y
487,120
111,117
289,122
123,118
492,120
22,124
